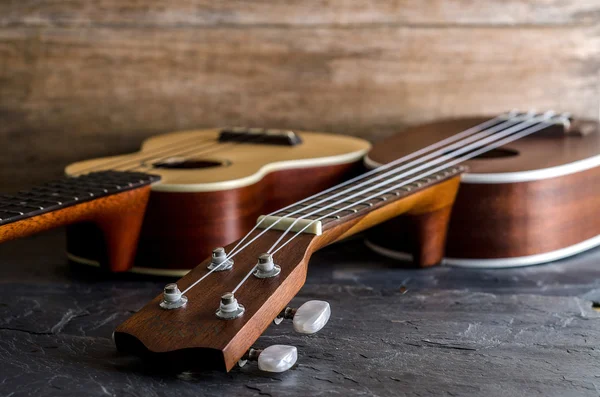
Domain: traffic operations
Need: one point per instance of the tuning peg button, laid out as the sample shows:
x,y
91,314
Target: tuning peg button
x,y
309,318
276,358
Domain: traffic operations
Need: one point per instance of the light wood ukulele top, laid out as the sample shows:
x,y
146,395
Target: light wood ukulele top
x,y
237,164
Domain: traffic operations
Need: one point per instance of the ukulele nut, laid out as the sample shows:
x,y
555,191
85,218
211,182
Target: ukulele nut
x,y
266,268
219,261
172,297
229,308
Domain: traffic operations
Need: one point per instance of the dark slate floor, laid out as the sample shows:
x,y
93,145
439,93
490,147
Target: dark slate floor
x,y
393,332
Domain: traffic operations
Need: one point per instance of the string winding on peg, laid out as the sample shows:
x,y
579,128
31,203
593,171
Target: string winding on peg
x,y
173,298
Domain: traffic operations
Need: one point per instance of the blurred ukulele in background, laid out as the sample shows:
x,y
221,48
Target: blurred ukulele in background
x,y
160,210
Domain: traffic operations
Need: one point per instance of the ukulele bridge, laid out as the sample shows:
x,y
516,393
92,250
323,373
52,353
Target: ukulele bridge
x,y
260,136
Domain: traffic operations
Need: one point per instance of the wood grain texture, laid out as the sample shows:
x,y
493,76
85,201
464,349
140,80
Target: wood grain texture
x,y
79,80
521,219
295,12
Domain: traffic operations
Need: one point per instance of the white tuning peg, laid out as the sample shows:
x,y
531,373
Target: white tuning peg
x,y
308,318
276,358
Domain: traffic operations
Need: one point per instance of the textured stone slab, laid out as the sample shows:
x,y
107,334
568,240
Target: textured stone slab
x,y
392,331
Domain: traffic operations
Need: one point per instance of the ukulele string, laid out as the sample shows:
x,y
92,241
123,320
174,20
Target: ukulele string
x,y
120,161
480,139
177,156
170,150
482,134
483,126
510,138
478,128
441,143
249,138
468,156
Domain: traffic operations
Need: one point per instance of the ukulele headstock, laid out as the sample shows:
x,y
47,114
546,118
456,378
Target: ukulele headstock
x,y
198,323
196,334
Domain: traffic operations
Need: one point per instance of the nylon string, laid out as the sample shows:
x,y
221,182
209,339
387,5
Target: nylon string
x,y
434,146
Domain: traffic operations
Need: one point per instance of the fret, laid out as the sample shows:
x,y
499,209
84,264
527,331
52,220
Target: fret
x,y
68,191
16,209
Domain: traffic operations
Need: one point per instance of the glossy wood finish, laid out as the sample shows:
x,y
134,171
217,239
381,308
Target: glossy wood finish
x,y
534,152
509,220
194,210
118,217
194,336
422,236
182,228
239,164
521,219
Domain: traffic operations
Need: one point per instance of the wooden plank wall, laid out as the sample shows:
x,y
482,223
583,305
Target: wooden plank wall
x,y
86,78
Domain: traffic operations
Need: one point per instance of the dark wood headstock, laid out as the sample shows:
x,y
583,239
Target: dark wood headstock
x,y
194,333
193,336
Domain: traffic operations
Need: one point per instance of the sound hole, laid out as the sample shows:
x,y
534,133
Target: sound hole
x,y
498,153
188,164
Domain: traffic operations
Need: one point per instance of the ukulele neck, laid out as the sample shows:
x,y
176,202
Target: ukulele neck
x,y
338,208
114,200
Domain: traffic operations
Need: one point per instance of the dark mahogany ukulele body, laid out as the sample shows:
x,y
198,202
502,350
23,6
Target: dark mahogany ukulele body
x,y
532,201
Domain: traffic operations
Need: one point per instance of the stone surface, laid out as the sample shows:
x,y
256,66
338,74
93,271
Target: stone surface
x,y
442,331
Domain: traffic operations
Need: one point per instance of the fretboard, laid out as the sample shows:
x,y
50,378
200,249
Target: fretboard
x,y
330,211
69,191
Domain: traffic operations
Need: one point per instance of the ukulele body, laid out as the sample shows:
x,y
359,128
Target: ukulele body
x,y
533,201
208,198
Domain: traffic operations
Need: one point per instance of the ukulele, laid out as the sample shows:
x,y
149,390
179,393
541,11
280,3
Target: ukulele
x,y
159,210
212,317
535,200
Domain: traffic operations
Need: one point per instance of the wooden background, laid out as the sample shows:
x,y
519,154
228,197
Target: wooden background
x,y
87,78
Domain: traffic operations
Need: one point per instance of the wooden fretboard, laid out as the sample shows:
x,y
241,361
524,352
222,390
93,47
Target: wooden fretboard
x,y
350,206
69,191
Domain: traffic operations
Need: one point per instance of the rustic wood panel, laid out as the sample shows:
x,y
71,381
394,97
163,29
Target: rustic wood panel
x,y
82,79
102,81
294,12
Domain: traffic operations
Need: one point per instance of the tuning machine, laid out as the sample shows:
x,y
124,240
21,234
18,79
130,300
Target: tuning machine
x,y
219,261
276,358
309,318
172,297
229,308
